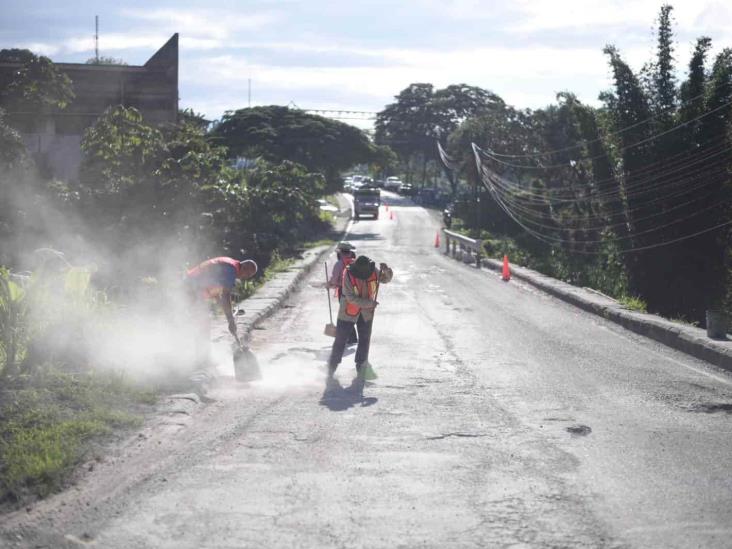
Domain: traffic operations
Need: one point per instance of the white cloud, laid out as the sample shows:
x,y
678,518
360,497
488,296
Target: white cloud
x,y
215,25
526,77
115,42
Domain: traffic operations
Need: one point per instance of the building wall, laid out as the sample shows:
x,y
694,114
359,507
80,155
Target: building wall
x,y
54,138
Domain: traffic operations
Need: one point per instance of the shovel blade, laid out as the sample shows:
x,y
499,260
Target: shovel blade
x,y
246,366
330,330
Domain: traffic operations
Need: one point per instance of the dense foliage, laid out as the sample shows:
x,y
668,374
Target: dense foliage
x,y
279,133
421,114
632,198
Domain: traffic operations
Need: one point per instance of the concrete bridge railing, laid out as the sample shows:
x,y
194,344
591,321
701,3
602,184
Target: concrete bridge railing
x,y
462,248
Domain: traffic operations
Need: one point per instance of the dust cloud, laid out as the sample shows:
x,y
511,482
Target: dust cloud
x,y
94,302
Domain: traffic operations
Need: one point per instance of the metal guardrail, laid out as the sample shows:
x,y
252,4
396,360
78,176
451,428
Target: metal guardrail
x,y
462,248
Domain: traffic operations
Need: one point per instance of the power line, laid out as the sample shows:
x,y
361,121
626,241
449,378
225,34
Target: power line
x,y
621,149
616,132
486,176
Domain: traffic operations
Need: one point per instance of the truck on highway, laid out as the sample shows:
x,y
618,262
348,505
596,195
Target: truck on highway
x,y
366,201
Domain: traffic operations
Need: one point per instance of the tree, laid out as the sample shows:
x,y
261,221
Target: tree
x,y
421,115
277,134
36,85
664,96
11,145
105,61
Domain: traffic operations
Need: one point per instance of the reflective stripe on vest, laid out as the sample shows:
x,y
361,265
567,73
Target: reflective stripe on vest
x,y
361,287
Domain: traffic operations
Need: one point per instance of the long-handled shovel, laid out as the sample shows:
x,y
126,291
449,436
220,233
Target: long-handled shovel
x,y
330,328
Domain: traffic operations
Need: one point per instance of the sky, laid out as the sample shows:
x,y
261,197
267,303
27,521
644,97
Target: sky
x,y
341,55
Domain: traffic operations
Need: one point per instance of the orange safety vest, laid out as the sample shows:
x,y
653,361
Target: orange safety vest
x,y
362,288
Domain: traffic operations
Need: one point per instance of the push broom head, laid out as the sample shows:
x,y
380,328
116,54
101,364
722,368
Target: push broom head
x,y
330,329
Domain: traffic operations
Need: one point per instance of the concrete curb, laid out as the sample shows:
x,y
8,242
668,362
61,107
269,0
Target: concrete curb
x,y
270,297
682,337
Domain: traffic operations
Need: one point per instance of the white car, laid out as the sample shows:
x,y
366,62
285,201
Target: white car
x,y
393,184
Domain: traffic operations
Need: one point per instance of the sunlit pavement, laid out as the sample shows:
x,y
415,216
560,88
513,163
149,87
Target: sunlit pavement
x,y
501,418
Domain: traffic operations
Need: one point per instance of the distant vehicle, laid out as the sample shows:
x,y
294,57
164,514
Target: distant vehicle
x,y
379,183
407,189
366,202
357,182
392,184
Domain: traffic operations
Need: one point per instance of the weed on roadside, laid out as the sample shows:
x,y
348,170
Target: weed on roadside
x,y
633,303
50,422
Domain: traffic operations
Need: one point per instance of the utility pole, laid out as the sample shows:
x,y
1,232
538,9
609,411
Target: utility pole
x,y
96,38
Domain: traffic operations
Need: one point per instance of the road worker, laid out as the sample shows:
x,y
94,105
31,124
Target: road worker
x,y
361,280
214,280
346,254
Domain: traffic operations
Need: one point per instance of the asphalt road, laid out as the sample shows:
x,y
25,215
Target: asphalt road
x,y
501,418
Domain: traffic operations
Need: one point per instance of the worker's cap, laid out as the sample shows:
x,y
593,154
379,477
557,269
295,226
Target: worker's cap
x,y
346,246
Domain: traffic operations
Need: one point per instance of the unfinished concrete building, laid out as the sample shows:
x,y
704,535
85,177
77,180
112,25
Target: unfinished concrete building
x,y
54,138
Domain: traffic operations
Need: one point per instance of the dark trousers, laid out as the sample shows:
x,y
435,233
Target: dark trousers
x,y
352,334
343,330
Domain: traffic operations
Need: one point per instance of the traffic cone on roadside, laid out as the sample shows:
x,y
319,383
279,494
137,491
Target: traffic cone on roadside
x,y
437,239
506,275
391,216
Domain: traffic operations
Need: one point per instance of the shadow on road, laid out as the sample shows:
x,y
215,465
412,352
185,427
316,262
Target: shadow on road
x,y
339,399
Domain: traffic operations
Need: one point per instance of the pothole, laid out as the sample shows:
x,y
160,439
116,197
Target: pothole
x,y
712,408
579,430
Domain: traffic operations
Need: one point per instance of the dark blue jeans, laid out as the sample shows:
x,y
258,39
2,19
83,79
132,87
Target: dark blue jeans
x,y
343,330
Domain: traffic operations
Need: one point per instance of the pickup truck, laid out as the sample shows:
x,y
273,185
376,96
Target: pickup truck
x,y
366,202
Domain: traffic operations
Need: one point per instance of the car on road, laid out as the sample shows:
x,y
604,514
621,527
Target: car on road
x,y
392,184
366,201
407,189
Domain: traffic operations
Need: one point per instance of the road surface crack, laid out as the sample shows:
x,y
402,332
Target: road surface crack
x,y
458,435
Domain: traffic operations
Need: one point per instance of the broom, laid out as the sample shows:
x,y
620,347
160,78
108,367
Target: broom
x,y
330,328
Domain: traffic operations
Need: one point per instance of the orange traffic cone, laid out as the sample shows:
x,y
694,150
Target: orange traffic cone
x,y
391,215
506,270
437,239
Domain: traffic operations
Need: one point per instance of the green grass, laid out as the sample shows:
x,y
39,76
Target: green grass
x,y
278,264
633,303
51,421
316,243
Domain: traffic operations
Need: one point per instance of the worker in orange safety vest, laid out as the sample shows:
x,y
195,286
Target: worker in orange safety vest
x,y
361,280
346,254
